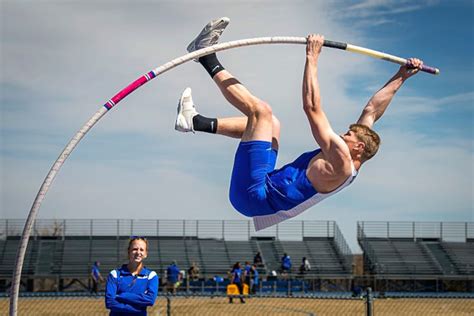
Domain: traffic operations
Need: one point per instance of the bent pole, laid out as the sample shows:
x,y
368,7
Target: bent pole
x,y
15,287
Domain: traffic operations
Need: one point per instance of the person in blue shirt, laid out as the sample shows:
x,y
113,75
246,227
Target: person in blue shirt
x,y
236,278
173,277
254,279
285,263
96,277
132,288
248,268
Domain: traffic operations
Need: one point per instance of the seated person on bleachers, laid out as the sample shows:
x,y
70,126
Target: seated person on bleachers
x,y
257,260
305,265
193,272
285,263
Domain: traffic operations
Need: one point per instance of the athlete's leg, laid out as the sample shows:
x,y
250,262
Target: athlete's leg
x,y
235,127
259,124
189,119
259,114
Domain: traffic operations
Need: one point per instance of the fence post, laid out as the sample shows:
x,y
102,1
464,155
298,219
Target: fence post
x,y
118,241
223,229
369,302
64,229
248,229
168,305
441,230
465,232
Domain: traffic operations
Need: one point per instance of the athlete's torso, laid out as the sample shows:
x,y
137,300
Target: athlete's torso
x,y
289,185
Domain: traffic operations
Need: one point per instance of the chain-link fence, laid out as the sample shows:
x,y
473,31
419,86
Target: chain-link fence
x,y
316,304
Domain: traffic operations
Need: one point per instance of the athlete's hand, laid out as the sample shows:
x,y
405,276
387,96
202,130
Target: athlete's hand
x,y
314,43
412,67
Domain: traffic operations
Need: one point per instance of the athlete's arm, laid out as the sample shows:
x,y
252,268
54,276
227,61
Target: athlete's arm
x,y
379,102
145,299
331,144
111,301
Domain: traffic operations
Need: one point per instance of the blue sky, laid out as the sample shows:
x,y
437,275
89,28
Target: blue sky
x,y
61,60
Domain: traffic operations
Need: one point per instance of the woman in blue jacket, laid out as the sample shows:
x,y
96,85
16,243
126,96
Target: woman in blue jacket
x,y
132,287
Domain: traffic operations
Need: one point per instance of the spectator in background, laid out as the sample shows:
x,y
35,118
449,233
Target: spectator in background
x,y
247,268
236,278
132,288
193,272
96,277
254,279
285,264
173,277
257,260
305,266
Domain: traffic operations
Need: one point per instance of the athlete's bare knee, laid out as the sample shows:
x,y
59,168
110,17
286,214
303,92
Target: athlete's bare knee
x,y
260,109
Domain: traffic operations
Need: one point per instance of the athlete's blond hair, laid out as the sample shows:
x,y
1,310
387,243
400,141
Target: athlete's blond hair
x,y
370,138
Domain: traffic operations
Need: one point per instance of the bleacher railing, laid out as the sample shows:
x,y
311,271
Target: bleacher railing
x,y
217,229
443,231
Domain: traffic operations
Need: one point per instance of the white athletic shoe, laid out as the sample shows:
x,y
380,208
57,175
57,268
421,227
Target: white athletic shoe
x,y
186,112
209,35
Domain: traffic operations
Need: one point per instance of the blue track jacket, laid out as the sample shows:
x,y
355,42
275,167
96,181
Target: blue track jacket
x,y
128,294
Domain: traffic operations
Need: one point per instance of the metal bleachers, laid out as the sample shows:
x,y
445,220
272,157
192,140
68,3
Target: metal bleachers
x,y
76,258
461,254
321,253
214,256
402,257
417,248
68,248
9,251
325,259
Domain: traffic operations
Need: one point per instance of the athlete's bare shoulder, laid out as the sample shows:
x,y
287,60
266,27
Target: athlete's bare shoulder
x,y
328,174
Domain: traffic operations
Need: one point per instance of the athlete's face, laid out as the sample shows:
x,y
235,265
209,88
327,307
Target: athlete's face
x,y
350,138
137,251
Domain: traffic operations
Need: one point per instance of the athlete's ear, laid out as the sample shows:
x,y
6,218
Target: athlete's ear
x,y
360,146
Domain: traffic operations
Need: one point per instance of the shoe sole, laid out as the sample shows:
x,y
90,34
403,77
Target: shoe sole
x,y
180,117
192,44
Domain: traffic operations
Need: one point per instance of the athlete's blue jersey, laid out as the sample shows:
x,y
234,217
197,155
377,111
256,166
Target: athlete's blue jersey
x,y
289,185
258,189
128,294
271,196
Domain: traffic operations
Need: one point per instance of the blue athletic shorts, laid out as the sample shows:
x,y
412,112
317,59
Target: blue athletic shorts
x,y
248,186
